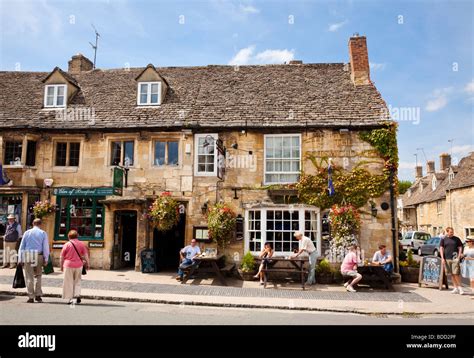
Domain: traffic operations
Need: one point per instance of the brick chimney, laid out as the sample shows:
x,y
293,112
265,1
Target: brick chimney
x,y
430,166
444,161
418,172
80,63
359,60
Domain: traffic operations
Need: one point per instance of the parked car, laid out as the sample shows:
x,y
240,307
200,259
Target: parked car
x,y
430,247
414,239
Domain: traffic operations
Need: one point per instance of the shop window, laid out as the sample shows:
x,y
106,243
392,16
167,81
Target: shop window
x,y
13,152
83,214
67,154
278,226
282,158
166,153
9,204
122,153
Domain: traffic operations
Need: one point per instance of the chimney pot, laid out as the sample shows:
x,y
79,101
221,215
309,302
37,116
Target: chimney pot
x,y
444,161
359,60
296,62
430,166
418,172
80,63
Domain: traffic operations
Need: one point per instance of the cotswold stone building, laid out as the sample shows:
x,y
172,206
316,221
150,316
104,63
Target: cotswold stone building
x,y
441,198
62,134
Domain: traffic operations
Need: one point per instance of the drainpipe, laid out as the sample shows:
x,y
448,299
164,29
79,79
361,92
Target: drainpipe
x,y
392,212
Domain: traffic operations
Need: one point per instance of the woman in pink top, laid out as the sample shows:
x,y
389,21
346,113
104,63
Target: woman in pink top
x,y
349,268
73,256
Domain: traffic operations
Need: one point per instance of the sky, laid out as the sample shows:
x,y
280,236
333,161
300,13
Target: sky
x,y
420,52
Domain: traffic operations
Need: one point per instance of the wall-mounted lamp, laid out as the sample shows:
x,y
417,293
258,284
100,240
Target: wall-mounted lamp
x,y
373,209
204,207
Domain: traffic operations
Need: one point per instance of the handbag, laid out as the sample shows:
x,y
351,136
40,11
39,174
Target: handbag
x,y
19,279
84,272
49,267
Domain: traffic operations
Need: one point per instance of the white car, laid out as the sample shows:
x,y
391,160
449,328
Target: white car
x,y
414,240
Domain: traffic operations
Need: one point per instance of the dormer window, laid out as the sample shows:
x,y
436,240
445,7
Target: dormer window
x,y
433,183
55,96
149,93
450,177
409,192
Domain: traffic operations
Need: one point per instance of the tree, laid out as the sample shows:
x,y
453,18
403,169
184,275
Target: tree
x,y
403,186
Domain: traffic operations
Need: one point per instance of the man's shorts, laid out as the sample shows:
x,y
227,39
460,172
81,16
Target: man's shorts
x,y
350,273
453,267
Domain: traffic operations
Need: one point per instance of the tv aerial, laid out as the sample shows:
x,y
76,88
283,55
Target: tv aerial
x,y
97,35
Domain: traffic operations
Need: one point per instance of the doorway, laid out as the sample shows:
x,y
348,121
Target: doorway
x,y
167,245
126,239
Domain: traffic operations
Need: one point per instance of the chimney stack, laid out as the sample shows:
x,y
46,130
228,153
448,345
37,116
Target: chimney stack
x,y
418,172
80,63
430,166
444,161
359,60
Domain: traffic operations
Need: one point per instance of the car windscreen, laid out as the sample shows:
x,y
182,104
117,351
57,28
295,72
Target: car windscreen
x,y
407,236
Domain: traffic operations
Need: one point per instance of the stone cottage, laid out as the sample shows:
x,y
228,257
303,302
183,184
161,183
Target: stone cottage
x,y
236,134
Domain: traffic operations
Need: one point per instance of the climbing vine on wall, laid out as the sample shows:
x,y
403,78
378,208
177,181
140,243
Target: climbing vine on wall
x,y
358,185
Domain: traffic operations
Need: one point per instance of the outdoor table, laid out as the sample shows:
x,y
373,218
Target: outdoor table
x,y
212,266
375,273
297,265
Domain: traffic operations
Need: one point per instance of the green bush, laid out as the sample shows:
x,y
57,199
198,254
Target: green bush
x,y
324,267
248,263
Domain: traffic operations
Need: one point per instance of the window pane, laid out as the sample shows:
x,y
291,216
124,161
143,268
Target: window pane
x,y
74,154
50,90
31,153
128,153
143,98
154,98
154,88
172,153
60,101
61,90
12,151
116,153
160,153
143,93
61,154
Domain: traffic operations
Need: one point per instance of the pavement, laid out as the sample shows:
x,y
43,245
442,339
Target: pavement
x,y
132,286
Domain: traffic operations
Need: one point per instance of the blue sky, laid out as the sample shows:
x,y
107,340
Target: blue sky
x,y
421,52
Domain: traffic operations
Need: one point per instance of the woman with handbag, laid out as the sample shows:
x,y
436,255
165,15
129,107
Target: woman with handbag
x,y
74,261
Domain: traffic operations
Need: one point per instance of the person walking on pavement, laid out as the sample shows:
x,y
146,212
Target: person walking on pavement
x,y
467,266
10,240
306,245
33,255
73,257
450,249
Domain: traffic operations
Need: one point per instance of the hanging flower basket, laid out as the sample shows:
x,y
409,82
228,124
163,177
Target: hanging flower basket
x,y
42,209
221,223
344,220
163,214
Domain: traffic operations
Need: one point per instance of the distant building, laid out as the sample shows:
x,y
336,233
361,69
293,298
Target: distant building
x,y
440,198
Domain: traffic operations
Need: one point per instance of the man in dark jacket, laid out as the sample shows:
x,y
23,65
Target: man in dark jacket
x,y
12,236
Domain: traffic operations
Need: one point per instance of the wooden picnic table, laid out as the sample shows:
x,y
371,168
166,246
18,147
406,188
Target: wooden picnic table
x,y
375,273
212,263
297,265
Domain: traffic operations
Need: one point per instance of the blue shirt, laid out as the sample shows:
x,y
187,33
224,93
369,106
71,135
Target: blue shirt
x,y
34,240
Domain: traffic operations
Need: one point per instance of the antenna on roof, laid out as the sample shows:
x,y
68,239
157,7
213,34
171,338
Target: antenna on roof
x,y
451,151
423,151
97,35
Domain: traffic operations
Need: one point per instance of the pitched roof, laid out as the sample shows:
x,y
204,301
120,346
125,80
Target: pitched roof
x,y
207,96
464,177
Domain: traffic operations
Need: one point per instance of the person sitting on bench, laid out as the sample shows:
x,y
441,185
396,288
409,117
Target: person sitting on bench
x,y
349,268
265,255
188,254
383,257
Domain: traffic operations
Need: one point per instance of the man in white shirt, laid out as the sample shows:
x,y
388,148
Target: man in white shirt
x,y
187,254
306,245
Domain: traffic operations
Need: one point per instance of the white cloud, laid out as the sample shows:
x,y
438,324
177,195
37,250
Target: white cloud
x,y
377,66
406,165
439,99
249,9
462,149
336,26
247,56
469,87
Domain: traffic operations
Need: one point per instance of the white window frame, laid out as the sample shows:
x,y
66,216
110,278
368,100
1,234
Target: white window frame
x,y
122,151
433,183
148,99
263,227
439,207
55,96
467,231
266,136
196,154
